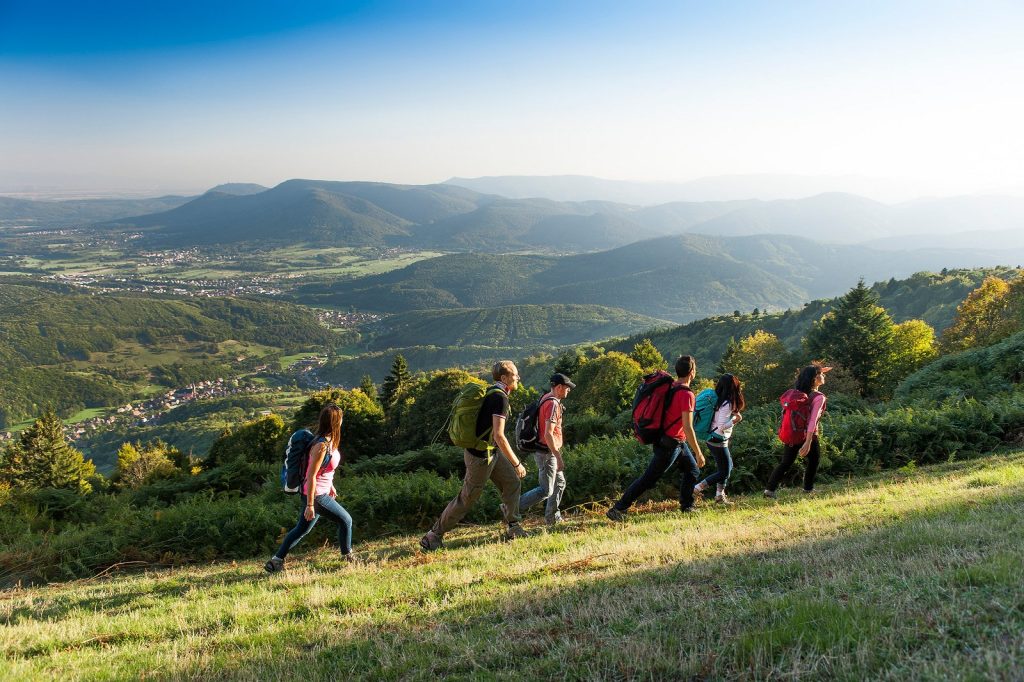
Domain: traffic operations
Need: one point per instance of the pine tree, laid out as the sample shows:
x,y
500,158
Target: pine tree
x,y
857,334
369,388
395,383
48,460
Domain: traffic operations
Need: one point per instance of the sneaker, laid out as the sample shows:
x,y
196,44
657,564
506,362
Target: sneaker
x,y
722,499
698,492
514,532
274,565
769,493
431,541
615,514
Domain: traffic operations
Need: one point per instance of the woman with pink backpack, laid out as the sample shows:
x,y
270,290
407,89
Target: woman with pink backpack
x,y
803,406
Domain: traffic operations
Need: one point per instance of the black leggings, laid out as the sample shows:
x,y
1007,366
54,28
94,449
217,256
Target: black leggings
x,y
789,456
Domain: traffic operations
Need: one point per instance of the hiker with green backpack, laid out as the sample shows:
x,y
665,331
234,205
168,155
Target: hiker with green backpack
x,y
717,411
477,424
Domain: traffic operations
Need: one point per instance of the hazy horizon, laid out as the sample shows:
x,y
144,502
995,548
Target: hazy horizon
x,y
168,98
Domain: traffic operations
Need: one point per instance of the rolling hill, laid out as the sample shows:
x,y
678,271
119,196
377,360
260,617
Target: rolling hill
x,y
932,297
453,218
679,278
72,349
507,326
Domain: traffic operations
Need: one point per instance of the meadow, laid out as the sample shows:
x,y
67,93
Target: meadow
x,y
907,574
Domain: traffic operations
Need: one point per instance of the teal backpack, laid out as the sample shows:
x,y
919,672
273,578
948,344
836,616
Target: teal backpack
x,y
704,413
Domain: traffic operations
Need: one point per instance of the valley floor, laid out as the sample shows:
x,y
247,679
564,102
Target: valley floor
x,y
914,574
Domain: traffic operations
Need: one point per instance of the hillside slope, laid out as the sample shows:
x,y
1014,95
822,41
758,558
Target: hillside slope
x,y
508,326
867,580
927,296
679,278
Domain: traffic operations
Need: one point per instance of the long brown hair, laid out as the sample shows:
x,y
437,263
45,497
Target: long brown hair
x,y
330,424
729,389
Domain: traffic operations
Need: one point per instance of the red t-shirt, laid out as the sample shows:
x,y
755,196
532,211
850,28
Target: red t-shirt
x,y
550,411
682,402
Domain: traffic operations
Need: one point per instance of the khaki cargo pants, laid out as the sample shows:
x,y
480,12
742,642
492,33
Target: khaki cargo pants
x,y
478,471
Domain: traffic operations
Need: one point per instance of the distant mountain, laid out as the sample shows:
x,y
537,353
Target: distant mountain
x,y
507,326
339,213
52,214
239,188
766,187
452,218
677,278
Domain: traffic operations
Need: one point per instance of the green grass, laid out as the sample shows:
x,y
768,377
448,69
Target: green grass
x,y
906,575
86,414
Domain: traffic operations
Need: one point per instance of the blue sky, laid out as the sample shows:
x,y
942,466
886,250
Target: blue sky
x,y
180,96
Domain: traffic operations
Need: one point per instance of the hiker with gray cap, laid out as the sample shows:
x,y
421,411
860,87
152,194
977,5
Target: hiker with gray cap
x,y
548,449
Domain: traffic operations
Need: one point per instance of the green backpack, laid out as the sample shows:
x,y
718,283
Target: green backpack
x,y
462,420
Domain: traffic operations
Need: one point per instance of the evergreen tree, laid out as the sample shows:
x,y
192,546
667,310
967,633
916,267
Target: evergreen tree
x,y
43,458
395,383
369,388
858,334
647,356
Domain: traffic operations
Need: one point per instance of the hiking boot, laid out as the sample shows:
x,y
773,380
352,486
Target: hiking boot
x,y
769,493
615,514
514,532
698,492
274,565
431,541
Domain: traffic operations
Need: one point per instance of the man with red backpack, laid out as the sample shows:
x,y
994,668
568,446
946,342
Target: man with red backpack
x,y
802,407
665,421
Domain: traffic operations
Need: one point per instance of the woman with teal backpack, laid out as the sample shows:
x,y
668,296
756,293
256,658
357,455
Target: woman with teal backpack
x,y
729,404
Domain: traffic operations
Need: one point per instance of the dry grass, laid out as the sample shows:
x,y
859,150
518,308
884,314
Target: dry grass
x,y
909,575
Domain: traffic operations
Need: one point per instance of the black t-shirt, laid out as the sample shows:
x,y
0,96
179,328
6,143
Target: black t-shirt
x,y
495,402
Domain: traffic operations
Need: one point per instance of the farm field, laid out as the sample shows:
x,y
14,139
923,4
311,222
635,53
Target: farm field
x,y
911,574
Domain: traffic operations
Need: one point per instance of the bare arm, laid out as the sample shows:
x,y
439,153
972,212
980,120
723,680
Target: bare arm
x,y
691,438
316,459
498,434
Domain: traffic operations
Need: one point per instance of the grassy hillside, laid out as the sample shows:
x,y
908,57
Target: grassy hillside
x,y
526,325
866,580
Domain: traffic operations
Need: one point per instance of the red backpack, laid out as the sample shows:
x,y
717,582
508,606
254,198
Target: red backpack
x,y
796,412
649,405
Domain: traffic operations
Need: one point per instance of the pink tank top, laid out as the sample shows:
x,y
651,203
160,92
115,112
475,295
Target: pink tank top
x,y
324,477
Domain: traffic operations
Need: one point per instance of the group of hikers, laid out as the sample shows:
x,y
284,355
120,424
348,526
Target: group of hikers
x,y
664,409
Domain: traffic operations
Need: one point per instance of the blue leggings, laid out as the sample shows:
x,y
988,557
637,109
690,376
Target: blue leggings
x,y
323,505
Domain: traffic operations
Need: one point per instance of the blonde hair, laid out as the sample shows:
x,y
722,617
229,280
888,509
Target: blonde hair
x,y
501,368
